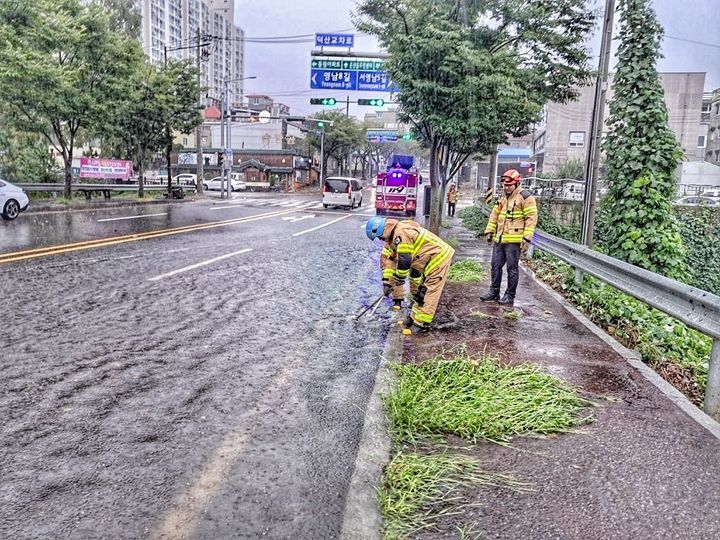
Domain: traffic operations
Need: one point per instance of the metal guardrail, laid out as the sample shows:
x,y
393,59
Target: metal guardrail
x,y
695,307
98,187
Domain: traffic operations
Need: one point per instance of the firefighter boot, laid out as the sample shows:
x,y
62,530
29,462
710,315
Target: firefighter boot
x,y
491,296
415,329
507,299
397,304
408,322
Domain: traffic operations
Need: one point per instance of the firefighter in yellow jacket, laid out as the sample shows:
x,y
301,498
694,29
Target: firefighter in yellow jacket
x,y
411,251
511,227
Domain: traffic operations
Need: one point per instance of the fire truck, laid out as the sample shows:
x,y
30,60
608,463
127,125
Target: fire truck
x,y
396,192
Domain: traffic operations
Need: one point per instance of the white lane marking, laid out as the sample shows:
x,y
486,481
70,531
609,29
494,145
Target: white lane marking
x,y
295,219
132,217
198,265
321,226
290,203
226,207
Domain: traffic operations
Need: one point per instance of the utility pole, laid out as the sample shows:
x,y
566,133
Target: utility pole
x,y
228,143
592,167
198,132
168,147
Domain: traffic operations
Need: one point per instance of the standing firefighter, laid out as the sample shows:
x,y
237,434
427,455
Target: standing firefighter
x,y
414,252
452,198
511,224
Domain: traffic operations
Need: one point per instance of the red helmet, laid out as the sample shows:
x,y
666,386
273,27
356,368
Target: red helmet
x,y
511,176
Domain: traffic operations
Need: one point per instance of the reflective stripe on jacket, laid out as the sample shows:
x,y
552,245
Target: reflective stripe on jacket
x,y
412,246
514,218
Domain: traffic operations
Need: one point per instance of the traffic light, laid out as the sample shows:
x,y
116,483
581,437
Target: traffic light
x,y
221,158
407,136
328,102
375,102
321,125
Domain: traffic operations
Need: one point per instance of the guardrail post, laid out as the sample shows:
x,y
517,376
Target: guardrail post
x,y
578,277
711,406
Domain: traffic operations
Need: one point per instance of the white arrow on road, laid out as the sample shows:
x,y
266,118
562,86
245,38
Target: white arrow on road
x,y
294,219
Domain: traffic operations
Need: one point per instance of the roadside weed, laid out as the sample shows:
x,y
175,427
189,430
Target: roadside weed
x,y
477,398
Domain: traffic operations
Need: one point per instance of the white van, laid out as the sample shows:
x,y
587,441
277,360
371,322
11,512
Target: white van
x,y
340,191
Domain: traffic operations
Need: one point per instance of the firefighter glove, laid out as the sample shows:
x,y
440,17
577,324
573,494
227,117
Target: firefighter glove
x,y
489,237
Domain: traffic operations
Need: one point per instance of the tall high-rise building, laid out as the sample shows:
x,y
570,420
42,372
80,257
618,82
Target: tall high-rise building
x,y
175,23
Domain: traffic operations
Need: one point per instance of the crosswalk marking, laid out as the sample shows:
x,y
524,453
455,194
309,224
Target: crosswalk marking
x,y
296,204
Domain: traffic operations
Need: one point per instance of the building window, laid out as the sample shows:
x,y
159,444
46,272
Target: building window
x,y
701,141
184,141
577,139
706,107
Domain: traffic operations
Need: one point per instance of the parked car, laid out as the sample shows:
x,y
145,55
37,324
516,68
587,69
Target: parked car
x,y
216,184
339,191
185,179
13,200
697,200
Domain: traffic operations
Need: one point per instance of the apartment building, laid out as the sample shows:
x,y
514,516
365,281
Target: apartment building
x,y
563,133
175,24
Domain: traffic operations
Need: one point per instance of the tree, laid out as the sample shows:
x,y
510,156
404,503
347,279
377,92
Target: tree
x,y
471,72
157,98
24,157
62,70
341,138
642,153
125,16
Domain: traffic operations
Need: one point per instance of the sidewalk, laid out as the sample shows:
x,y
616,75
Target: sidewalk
x,y
643,469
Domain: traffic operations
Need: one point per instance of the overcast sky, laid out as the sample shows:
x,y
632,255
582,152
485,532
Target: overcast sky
x,y
283,70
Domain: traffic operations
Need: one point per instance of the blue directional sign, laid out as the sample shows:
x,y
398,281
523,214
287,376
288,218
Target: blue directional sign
x,y
382,135
333,79
375,81
343,74
335,40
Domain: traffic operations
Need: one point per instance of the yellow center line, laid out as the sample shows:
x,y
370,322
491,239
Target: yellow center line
x,y
112,241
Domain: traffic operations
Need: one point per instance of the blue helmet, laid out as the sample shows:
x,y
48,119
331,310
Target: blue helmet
x,y
375,227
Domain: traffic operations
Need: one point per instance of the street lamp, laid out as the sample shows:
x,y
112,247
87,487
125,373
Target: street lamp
x,y
227,116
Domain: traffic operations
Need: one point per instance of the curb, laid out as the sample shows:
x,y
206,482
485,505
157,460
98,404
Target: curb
x,y
361,516
635,360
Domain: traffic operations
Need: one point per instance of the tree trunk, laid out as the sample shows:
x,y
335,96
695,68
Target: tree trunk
x,y
67,193
435,203
141,179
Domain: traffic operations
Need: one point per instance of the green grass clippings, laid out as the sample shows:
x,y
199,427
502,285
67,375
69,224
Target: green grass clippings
x,y
467,271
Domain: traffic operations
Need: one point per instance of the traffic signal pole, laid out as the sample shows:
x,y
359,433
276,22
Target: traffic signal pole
x,y
198,130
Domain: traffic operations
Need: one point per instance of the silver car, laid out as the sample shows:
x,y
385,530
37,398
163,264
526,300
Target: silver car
x,y
13,200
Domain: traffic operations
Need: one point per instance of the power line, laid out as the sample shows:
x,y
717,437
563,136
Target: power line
x,y
704,43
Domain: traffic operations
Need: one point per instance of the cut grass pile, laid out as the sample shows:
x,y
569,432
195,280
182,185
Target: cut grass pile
x,y
416,485
513,315
476,398
467,271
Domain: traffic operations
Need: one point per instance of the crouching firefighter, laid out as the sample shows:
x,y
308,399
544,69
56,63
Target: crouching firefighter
x,y
413,252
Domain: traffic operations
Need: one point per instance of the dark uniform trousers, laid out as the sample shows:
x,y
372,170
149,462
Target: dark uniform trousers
x,y
505,254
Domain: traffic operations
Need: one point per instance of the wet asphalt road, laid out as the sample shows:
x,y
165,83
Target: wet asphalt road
x,y
143,400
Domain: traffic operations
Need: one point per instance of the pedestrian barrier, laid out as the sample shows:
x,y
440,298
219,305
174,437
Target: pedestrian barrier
x,y
695,307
